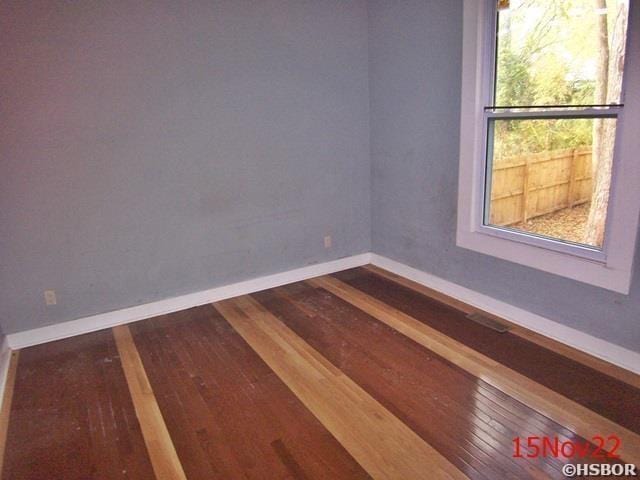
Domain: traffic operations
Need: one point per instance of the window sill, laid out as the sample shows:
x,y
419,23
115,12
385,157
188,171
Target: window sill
x,y
584,270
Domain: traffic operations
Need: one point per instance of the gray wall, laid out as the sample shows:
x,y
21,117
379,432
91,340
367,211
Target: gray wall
x,y
154,148
151,149
415,62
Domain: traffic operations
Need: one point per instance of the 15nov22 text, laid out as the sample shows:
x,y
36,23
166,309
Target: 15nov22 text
x,y
597,447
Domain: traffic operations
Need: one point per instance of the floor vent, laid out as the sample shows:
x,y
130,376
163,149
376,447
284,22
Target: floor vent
x,y
488,322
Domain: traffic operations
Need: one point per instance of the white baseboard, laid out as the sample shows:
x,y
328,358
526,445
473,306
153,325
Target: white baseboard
x,y
5,360
597,347
162,307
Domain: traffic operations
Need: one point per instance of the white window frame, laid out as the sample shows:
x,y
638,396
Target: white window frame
x,y
610,268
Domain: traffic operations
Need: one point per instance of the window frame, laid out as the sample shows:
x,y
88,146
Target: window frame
x,y
609,268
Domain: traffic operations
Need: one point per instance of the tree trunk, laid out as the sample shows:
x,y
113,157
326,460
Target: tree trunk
x,y
602,69
594,233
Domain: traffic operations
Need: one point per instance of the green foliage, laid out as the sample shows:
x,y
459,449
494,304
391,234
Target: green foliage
x,y
516,87
542,61
521,137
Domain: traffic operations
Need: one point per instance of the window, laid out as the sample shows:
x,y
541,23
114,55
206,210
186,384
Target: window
x,y
548,176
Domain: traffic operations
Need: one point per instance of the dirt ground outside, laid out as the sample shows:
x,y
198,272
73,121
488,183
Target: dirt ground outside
x,y
567,224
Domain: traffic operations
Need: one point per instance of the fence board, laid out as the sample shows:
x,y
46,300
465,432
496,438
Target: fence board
x,y
527,187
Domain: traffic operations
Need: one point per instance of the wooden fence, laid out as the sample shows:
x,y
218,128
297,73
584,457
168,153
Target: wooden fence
x,y
530,186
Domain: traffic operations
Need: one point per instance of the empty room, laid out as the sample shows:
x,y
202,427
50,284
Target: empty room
x,y
319,239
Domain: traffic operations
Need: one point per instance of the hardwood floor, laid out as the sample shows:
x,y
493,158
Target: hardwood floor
x,y
381,443
545,400
464,418
228,413
354,375
615,400
72,416
162,453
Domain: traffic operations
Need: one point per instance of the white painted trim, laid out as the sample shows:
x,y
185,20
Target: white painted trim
x,y
169,305
5,361
615,271
597,347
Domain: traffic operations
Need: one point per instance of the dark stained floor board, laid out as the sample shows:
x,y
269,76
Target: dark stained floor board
x,y
605,395
469,422
72,416
228,414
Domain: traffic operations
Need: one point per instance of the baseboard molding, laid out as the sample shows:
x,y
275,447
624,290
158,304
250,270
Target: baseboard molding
x,y
127,315
5,361
597,347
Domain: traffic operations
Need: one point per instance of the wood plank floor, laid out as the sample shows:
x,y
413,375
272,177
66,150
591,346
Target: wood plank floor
x,y
615,399
354,375
229,415
72,416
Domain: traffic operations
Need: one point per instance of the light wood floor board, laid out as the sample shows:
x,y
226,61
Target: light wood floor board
x,y
574,416
381,443
6,404
570,352
164,459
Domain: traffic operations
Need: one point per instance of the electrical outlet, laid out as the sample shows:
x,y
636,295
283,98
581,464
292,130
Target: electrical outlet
x,y
50,297
328,241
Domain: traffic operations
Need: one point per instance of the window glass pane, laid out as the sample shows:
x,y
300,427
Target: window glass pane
x,y
550,177
560,52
